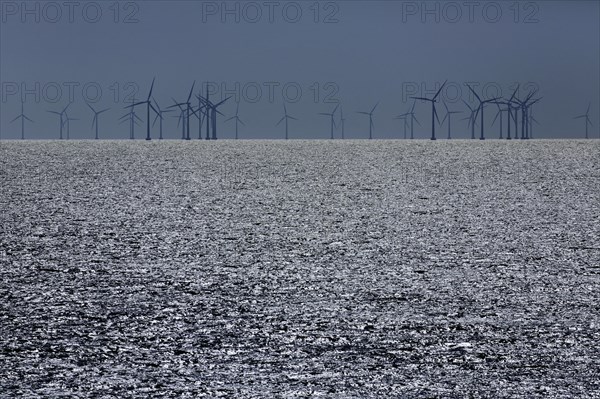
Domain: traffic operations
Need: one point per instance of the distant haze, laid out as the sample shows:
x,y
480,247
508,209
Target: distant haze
x,y
313,54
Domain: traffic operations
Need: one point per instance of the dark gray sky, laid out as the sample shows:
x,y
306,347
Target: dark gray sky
x,y
357,52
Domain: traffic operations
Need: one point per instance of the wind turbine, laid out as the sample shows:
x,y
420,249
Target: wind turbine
x,y
201,112
213,116
403,118
237,119
481,107
532,119
510,116
499,115
95,120
132,117
528,105
449,116
588,122
181,117
413,119
472,118
370,119
62,122
148,106
434,115
188,108
23,117
286,117
523,106
342,122
159,115
68,124
331,115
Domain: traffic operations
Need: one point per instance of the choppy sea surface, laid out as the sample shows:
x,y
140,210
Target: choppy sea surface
x,y
331,269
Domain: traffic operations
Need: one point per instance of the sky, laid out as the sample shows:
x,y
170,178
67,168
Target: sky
x,y
312,55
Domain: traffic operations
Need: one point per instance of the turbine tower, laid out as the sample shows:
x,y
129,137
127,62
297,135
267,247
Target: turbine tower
x,y
22,117
331,115
472,118
481,107
62,121
449,116
499,115
370,119
342,122
188,109
159,114
95,120
413,119
588,122
286,117
68,124
237,119
132,118
434,115
403,118
148,107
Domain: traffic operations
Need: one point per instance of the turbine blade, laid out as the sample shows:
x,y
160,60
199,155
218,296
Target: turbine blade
x,y
151,87
473,91
191,90
372,110
440,90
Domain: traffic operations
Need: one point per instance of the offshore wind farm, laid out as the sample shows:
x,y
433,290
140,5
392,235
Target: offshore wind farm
x,y
329,199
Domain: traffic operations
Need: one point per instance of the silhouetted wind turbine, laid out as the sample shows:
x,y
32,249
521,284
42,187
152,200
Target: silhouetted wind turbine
x,y
62,122
22,117
213,116
499,115
181,117
331,116
68,124
413,119
286,117
188,108
403,118
370,119
481,107
148,106
449,116
472,118
434,115
132,117
532,119
201,112
509,109
523,106
237,119
342,122
527,106
159,115
588,122
95,120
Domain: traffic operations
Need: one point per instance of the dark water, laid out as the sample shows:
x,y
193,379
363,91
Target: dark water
x,y
300,269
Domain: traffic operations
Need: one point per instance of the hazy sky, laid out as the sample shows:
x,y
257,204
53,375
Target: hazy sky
x,y
311,53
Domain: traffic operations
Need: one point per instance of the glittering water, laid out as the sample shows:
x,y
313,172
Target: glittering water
x,y
300,269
